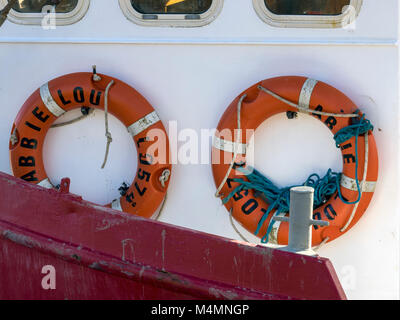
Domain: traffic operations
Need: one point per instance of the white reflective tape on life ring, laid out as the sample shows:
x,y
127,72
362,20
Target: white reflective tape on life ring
x,y
116,204
144,123
306,92
351,184
229,146
49,102
46,184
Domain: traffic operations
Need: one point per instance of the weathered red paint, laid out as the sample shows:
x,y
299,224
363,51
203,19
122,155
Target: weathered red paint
x,y
99,253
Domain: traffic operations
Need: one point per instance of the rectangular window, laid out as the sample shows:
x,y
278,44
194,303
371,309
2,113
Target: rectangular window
x,y
38,6
40,12
308,13
171,13
307,7
171,6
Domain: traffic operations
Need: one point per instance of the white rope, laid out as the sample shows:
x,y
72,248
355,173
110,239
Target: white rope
x,y
66,123
164,177
236,146
294,105
323,242
235,228
108,133
162,207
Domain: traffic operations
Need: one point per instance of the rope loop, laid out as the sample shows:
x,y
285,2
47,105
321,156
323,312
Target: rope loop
x,y
165,177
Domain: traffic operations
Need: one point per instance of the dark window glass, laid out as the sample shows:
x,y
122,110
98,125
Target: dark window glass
x,y
36,6
171,6
306,7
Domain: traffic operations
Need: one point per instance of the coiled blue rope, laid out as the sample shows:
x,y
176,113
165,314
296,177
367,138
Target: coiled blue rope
x,y
279,198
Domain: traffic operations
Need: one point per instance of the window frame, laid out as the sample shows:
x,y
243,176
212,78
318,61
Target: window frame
x,y
308,21
171,20
62,19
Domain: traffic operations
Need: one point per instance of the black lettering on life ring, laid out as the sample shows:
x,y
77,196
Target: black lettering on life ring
x,y
331,122
143,159
347,158
316,216
141,191
63,101
29,143
92,97
229,183
238,195
79,95
26,161
141,140
319,108
32,126
129,198
144,175
250,206
30,177
330,212
39,115
346,146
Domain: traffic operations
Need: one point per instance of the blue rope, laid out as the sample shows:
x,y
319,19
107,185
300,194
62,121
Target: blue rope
x,y
324,188
357,128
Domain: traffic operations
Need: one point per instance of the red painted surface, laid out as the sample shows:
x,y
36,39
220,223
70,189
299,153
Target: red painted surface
x,y
99,253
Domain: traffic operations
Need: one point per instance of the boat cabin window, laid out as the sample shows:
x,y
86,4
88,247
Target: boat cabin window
x,y
47,12
308,13
171,6
173,13
37,6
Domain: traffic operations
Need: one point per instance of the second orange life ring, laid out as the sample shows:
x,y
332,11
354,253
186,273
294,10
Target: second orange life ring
x,y
294,94
53,99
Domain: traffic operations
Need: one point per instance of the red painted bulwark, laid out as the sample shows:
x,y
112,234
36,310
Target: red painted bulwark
x,y
99,253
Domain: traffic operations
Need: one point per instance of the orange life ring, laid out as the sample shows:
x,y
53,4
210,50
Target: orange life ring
x,y
266,99
45,105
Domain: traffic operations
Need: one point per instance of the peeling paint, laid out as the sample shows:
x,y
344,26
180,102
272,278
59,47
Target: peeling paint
x,y
76,257
248,244
96,266
129,274
141,272
130,244
164,275
107,224
224,294
17,238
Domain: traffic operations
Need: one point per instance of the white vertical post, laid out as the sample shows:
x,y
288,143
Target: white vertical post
x,y
301,220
